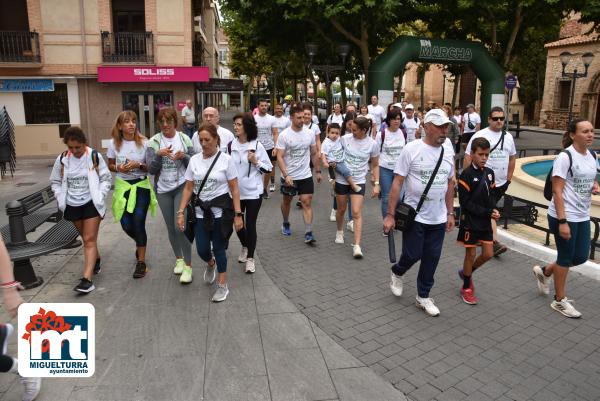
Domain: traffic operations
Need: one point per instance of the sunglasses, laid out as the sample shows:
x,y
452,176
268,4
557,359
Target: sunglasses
x,y
497,118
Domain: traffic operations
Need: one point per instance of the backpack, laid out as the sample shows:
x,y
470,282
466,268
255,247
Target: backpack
x,y
548,184
95,161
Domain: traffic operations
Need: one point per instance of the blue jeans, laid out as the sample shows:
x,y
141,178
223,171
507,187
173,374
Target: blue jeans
x,y
386,178
341,169
422,242
575,251
204,239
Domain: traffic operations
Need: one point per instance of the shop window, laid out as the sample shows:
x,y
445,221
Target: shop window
x,y
47,107
564,93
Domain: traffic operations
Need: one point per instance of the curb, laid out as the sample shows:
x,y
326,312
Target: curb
x,y
521,245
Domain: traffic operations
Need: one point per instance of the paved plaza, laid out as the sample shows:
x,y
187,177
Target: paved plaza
x,y
315,324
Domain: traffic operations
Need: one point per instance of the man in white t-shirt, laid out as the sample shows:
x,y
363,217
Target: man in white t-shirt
x,y
281,123
411,123
296,147
189,118
377,111
471,123
502,159
424,239
267,135
211,115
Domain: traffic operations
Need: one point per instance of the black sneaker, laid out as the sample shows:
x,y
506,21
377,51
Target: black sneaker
x,y
5,332
499,248
85,286
299,204
97,266
265,194
140,270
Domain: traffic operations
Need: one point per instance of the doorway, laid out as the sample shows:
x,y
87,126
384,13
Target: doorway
x,y
146,105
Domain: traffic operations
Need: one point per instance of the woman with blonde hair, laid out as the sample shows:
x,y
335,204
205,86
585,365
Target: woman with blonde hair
x,y
168,155
133,193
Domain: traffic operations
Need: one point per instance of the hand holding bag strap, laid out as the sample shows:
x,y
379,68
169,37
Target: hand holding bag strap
x,y
435,170
206,177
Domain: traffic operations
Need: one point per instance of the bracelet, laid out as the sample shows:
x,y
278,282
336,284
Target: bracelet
x,y
390,214
318,171
451,214
180,211
10,284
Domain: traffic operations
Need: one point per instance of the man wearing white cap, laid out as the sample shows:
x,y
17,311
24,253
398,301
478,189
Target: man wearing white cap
x,y
411,123
424,239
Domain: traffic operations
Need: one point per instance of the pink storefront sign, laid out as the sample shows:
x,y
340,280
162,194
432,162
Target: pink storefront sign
x,y
152,74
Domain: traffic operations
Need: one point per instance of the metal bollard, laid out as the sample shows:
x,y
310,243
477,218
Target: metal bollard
x,y
15,213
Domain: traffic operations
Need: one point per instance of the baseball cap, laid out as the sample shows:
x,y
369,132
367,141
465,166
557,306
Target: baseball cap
x,y
436,117
398,105
409,106
470,105
288,97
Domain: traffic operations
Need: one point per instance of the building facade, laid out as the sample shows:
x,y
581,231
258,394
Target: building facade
x,y
575,39
80,62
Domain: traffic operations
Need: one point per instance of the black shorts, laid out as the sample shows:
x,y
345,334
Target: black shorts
x,y
87,211
471,238
466,136
272,157
301,187
500,191
342,189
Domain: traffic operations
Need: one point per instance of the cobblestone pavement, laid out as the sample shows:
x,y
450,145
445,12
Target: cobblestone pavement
x,y
511,346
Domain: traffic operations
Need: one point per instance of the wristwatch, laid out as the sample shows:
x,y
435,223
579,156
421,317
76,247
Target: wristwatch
x,y
562,221
376,183
239,214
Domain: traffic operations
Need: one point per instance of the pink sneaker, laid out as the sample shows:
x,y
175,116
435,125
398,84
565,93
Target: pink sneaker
x,y
468,295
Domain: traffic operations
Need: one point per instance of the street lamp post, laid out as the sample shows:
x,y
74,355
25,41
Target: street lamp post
x,y
343,50
447,74
565,57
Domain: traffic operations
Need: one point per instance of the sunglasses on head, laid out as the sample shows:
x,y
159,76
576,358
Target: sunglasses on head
x,y
497,118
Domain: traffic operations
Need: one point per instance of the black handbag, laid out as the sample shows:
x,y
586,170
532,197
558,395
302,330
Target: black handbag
x,y
190,208
470,124
405,214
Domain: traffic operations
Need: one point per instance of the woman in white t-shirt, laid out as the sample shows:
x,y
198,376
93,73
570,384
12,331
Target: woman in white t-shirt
x,y
216,210
251,161
133,193
390,144
573,183
80,182
364,111
359,150
336,116
168,155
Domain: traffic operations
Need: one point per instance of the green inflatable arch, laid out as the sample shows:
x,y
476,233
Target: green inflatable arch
x,y
440,51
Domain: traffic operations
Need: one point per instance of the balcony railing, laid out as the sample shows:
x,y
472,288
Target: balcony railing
x,y
127,47
19,47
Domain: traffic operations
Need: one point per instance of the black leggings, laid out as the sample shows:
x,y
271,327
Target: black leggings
x,y
6,362
247,235
134,224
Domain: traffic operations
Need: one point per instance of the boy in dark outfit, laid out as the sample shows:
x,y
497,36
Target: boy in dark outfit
x,y
477,205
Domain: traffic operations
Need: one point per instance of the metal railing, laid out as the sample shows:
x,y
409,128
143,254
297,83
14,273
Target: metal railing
x,y
525,212
127,47
19,47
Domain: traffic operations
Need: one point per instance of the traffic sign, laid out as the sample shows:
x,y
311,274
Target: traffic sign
x,y
510,82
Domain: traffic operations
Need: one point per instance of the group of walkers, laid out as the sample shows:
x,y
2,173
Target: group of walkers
x,y
214,183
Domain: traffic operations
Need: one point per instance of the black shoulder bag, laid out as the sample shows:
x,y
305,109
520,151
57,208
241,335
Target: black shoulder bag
x,y
405,214
190,208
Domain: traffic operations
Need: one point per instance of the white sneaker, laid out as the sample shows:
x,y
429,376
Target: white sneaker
x,y
542,280
31,387
339,237
564,306
272,188
396,285
221,293
250,268
428,306
332,215
243,255
350,226
210,273
356,252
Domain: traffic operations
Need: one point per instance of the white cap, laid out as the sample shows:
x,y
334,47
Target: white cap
x,y
409,106
436,117
398,105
